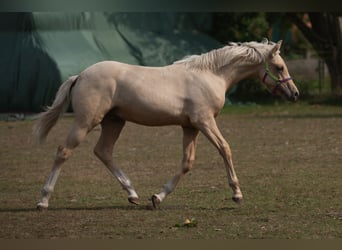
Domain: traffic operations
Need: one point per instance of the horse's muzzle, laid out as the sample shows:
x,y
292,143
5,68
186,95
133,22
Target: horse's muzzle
x,y
289,92
294,97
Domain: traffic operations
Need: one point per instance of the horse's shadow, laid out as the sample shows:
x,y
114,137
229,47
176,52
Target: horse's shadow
x,y
114,207
79,208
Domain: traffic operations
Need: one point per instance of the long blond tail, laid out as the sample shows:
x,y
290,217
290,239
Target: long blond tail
x,y
48,119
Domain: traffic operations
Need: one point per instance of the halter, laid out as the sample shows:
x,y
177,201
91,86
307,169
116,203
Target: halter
x,y
277,80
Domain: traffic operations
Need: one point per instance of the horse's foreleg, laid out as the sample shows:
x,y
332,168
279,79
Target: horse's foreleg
x,y
111,130
76,135
211,131
189,148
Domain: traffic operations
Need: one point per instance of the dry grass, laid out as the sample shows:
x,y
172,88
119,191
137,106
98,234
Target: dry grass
x,y
288,160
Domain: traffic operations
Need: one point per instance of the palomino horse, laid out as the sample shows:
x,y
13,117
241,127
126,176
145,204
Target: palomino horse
x,y
189,93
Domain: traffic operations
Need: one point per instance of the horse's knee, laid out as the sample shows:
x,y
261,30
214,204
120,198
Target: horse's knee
x,y
187,165
63,154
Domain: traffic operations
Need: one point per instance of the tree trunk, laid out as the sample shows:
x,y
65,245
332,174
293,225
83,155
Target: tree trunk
x,y
335,76
326,38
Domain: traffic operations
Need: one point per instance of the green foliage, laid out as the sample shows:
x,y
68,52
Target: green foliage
x,y
250,91
239,26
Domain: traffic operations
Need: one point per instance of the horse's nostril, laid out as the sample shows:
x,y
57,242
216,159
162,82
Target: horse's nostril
x,y
295,96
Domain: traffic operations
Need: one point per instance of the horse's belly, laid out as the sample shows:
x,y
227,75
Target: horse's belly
x,y
152,117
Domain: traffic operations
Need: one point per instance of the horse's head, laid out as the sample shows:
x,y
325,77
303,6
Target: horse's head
x,y
275,75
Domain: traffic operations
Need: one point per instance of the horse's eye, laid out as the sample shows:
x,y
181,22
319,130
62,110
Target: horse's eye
x,y
280,68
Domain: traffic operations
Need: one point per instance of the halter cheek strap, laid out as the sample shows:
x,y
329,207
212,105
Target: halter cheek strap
x,y
277,80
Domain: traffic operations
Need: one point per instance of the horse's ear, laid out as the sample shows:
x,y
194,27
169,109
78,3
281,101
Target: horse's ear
x,y
264,40
276,49
278,44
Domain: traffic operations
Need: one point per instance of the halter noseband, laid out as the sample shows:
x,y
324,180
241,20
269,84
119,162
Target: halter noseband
x,y
277,80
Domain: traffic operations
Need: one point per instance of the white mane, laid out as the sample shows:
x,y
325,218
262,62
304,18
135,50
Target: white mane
x,y
247,53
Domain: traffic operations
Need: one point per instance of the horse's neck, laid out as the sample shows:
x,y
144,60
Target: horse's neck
x,y
234,73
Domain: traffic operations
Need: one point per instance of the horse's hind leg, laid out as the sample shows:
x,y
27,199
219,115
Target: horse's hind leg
x,y
74,138
111,129
189,149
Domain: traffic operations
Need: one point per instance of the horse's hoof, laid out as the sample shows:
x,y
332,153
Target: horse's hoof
x,y
155,201
41,207
134,200
237,200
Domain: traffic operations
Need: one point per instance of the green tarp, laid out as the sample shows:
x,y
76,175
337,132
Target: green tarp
x,y
40,50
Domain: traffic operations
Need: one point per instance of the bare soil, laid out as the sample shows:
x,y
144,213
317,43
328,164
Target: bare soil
x,y
288,160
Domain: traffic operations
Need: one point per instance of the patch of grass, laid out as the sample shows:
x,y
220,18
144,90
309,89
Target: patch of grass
x,y
287,157
312,108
